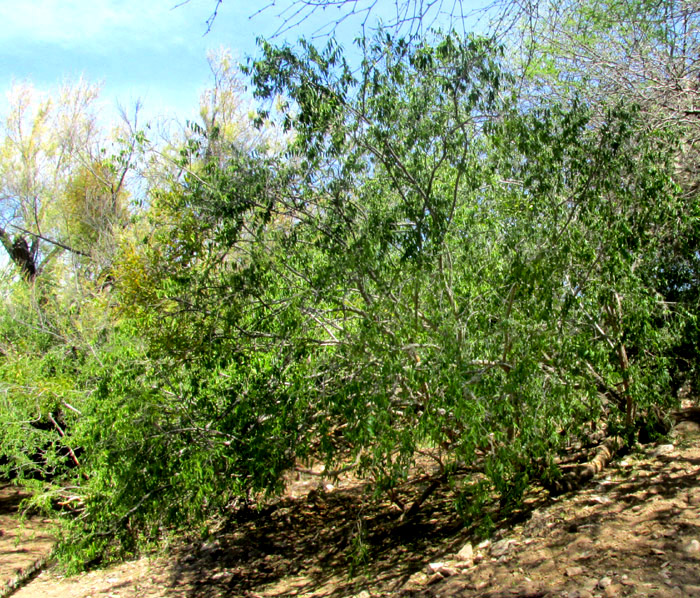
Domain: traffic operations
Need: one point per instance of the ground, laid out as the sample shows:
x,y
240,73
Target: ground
x,y
632,531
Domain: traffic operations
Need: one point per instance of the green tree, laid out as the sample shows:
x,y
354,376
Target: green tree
x,y
433,264
63,207
56,179
452,221
642,53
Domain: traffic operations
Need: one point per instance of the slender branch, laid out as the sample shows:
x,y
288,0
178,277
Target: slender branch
x,y
53,242
62,435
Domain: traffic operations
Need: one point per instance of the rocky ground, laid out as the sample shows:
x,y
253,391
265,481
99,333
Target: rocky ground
x,y
633,531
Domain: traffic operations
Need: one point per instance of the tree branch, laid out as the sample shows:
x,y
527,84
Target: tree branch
x,y
56,243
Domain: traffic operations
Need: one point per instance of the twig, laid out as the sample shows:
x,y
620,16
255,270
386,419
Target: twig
x,y
62,434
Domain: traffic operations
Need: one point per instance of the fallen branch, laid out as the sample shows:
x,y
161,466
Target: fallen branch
x,y
575,477
416,505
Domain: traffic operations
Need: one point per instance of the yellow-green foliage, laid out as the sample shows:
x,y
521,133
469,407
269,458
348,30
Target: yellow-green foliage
x,y
93,206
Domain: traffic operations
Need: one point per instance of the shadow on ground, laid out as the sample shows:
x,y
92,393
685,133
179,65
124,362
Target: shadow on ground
x,y
628,529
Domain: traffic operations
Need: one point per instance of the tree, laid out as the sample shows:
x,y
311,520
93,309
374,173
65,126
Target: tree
x,y
429,260
408,17
645,54
63,205
423,152
56,180
432,266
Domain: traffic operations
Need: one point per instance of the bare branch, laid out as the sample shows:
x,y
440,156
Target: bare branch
x,y
51,241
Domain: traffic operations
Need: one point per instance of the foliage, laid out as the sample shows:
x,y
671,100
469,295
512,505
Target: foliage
x,y
432,263
641,53
56,179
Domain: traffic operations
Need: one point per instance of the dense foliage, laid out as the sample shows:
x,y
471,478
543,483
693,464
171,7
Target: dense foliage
x,y
423,258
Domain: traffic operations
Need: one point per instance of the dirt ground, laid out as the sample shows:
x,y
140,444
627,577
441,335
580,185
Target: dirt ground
x,y
633,531
21,542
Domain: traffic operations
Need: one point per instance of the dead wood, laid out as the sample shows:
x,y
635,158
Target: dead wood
x,y
574,477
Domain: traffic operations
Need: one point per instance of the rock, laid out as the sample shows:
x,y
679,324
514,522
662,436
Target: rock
x,y
418,578
435,567
501,547
448,571
527,588
605,582
611,591
686,428
663,449
363,594
692,548
694,498
441,569
210,548
466,553
574,571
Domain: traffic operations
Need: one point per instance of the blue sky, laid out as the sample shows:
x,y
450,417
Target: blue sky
x,y
138,49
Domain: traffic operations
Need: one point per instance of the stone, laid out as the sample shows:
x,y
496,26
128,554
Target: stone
x,y
466,553
418,578
663,449
574,571
210,548
529,588
435,567
441,569
686,428
692,548
501,547
604,582
448,571
611,591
